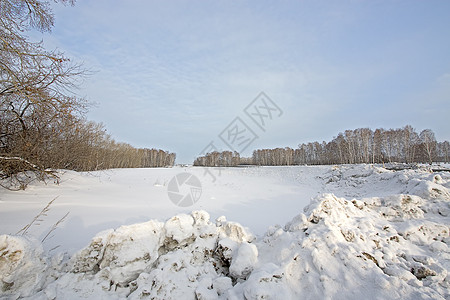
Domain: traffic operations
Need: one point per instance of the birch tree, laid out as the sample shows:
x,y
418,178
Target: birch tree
x,y
428,145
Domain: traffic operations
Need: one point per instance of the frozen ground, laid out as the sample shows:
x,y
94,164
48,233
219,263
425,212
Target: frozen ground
x,y
343,232
254,197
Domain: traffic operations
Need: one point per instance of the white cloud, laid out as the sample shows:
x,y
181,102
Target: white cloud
x,y
175,73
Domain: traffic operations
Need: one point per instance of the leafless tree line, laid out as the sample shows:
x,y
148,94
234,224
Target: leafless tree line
x,y
218,159
362,145
87,147
42,122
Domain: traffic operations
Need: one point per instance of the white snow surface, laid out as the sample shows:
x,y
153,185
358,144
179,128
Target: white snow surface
x,y
355,232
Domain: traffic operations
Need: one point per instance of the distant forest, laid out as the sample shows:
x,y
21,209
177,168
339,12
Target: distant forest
x,y
362,145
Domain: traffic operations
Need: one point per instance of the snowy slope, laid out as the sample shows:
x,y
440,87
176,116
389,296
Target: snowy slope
x,y
367,233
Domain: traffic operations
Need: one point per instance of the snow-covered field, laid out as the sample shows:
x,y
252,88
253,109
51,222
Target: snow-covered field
x,y
341,232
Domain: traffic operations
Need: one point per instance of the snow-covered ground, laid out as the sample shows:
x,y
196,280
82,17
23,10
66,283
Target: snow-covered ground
x,y
341,232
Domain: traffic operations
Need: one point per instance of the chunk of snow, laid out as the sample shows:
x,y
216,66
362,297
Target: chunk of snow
x,y
22,266
244,260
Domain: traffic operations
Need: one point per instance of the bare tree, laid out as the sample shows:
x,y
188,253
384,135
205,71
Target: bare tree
x,y
35,86
428,145
443,151
42,121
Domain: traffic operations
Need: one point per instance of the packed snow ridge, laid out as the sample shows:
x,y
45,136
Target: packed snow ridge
x,y
388,247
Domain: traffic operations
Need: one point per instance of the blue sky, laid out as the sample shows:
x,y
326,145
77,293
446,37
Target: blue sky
x,y
174,74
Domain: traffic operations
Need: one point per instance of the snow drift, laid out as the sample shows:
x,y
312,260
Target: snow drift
x,y
380,247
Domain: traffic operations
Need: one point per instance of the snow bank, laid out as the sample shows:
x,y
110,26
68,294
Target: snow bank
x,y
21,266
392,246
187,256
